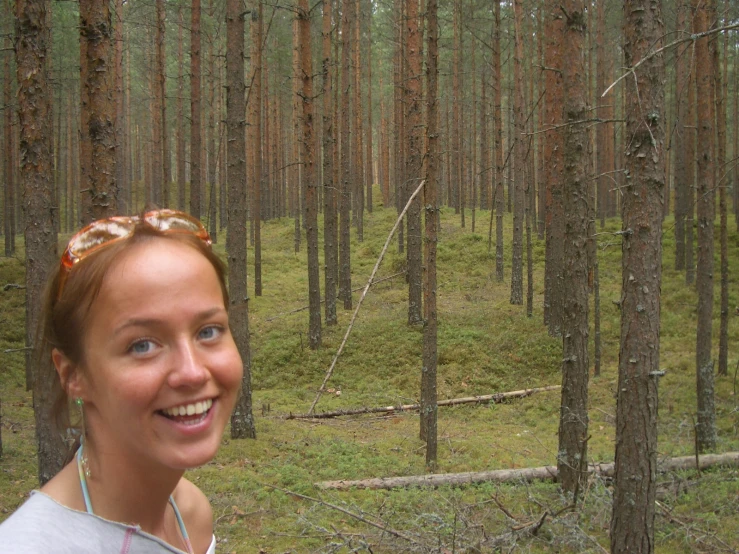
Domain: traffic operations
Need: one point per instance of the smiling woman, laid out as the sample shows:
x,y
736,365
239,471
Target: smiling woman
x,y
137,330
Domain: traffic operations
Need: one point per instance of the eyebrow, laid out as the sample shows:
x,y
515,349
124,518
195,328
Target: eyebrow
x,y
152,321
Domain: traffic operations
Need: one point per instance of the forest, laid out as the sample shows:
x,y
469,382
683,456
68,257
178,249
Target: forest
x,y
479,256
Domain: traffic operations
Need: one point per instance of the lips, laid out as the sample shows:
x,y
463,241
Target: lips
x,y
196,411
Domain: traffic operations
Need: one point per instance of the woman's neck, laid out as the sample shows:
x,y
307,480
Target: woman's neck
x,y
128,490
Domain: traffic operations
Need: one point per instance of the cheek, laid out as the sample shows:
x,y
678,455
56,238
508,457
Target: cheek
x,y
229,369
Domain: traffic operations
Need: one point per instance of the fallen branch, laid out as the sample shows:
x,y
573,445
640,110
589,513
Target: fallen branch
x,y
525,474
491,398
296,310
358,517
364,293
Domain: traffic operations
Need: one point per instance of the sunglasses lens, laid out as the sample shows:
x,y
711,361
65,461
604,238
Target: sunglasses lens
x,y
170,220
98,233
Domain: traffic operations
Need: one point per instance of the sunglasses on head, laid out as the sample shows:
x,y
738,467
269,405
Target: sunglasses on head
x,y
103,232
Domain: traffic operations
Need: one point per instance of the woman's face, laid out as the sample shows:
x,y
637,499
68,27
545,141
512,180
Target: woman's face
x,y
161,370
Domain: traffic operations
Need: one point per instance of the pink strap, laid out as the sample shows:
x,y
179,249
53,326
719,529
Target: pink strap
x,y
127,541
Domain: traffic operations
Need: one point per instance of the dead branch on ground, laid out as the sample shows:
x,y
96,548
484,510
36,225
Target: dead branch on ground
x,y
496,398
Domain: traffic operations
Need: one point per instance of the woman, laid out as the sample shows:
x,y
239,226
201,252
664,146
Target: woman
x,y
136,324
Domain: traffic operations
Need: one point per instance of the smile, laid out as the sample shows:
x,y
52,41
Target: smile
x,y
189,410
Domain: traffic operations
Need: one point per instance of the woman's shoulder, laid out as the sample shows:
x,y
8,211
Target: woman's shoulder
x,y
196,513
41,524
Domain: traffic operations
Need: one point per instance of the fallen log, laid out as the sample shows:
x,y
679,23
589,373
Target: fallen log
x,y
525,474
496,398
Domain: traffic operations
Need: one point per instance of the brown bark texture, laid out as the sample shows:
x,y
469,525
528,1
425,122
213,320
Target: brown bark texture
x,y
255,144
330,237
498,139
309,181
345,190
414,160
195,115
34,113
429,408
632,522
519,155
242,420
96,30
573,423
706,211
677,138
553,166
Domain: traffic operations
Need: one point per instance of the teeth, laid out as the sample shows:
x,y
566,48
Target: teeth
x,y
189,409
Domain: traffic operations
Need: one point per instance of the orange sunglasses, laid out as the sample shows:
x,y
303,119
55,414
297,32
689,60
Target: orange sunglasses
x,y
113,229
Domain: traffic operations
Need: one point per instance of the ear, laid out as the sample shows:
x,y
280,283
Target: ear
x,y
70,378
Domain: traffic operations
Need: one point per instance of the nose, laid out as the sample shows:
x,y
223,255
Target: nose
x,y
188,368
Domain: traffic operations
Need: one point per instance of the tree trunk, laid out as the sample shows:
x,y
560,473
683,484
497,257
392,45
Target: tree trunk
x,y
553,165
345,277
34,112
255,144
498,138
121,137
573,423
309,182
330,250
689,155
632,522
706,201
96,30
722,182
357,157
9,150
682,68
242,420
429,408
414,161
195,113
181,164
519,150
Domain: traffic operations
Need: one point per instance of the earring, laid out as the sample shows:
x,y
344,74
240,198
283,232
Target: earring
x,y
80,405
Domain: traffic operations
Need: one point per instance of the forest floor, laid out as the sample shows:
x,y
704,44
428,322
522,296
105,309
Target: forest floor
x,y
486,345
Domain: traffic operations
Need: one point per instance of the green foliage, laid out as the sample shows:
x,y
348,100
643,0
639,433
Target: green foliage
x,y
485,346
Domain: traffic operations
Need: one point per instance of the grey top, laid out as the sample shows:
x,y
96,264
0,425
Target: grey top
x,y
43,526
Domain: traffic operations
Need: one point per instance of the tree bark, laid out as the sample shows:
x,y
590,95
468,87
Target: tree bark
x,y
195,113
242,420
553,165
682,69
722,182
309,182
255,144
429,408
573,423
345,277
498,138
9,150
96,30
706,207
519,151
632,522
414,161
330,237
34,113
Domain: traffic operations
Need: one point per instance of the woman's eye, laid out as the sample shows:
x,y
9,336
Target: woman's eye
x,y
144,346
209,333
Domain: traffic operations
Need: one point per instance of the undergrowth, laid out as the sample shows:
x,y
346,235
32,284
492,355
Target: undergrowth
x,y
486,345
